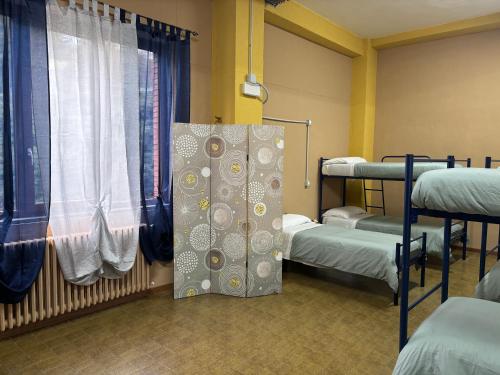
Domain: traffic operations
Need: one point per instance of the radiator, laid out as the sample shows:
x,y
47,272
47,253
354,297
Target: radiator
x,y
51,296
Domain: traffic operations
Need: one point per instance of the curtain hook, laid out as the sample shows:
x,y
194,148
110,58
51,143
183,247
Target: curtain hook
x,y
72,4
86,5
95,7
106,10
133,18
116,14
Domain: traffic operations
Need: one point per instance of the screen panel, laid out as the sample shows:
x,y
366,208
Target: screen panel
x,y
193,235
228,150
264,195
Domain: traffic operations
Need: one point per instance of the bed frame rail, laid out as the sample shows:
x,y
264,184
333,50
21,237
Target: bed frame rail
x,y
420,259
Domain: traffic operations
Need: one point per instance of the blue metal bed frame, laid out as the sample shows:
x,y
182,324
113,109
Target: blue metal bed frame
x,y
422,158
410,216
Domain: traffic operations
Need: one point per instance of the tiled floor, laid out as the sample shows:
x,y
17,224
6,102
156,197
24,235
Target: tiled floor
x,y
317,326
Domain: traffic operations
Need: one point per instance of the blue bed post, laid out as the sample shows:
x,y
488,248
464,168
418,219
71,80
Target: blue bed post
x,y
405,269
484,235
498,244
423,260
398,265
344,191
482,255
320,189
445,274
464,234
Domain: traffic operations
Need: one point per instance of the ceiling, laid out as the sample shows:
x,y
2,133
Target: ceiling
x,y
376,18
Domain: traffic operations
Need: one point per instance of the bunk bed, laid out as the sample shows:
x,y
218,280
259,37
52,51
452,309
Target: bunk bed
x,y
385,170
453,339
371,254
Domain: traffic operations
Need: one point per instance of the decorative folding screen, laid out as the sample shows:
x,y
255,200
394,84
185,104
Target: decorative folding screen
x,y
227,209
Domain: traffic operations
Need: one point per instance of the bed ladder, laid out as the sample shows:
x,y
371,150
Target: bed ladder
x,y
380,190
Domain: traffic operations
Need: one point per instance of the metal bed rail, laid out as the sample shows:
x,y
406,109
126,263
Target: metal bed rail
x,y
420,259
402,157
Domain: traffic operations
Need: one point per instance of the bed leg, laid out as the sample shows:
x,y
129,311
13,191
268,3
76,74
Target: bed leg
x,y
423,260
405,267
482,256
464,242
445,276
498,247
395,297
284,265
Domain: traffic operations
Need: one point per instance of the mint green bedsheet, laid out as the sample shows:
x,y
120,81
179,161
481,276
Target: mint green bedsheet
x,y
461,337
394,225
393,170
467,190
370,254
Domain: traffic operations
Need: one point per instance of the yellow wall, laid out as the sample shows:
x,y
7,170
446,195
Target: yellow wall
x,y
307,81
230,60
439,98
299,20
193,15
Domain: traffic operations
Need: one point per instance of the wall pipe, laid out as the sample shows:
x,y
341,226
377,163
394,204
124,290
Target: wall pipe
x,y
307,123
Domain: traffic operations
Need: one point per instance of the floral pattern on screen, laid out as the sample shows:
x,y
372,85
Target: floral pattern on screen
x,y
227,209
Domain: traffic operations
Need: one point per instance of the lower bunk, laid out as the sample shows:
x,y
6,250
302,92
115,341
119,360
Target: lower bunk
x,y
461,337
371,254
357,218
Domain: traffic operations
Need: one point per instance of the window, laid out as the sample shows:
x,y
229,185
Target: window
x,y
149,115
26,172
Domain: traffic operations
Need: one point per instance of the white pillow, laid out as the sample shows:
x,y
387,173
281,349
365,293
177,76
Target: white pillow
x,y
345,160
344,212
294,219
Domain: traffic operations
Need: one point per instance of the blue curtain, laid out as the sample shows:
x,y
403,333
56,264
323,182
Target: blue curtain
x,y
25,152
165,65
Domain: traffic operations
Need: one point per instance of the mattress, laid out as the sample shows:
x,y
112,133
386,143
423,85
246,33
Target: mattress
x,y
466,190
360,252
394,225
394,170
338,169
378,170
489,287
461,337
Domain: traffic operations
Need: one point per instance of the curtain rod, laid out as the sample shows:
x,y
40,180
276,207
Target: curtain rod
x,y
129,13
307,123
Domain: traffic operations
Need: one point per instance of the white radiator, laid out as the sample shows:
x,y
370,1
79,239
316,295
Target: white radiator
x,y
51,296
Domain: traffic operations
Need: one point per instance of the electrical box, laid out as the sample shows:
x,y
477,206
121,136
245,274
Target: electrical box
x,y
251,89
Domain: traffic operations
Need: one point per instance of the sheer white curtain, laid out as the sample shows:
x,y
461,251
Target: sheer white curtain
x,y
94,104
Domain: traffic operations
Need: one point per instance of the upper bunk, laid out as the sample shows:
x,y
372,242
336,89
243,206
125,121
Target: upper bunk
x,y
456,193
387,169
